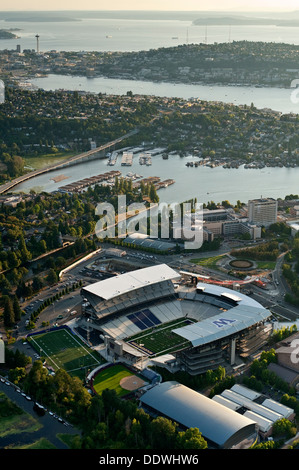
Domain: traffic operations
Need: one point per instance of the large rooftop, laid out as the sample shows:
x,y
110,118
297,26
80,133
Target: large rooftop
x,y
123,283
223,324
219,424
246,313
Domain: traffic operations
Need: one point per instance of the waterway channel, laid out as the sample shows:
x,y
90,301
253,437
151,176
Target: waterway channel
x,y
204,183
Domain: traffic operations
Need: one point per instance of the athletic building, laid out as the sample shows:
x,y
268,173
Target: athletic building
x,y
150,315
221,426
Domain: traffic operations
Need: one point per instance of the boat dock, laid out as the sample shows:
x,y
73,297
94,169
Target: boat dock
x,y
112,159
155,180
80,185
145,159
164,184
127,159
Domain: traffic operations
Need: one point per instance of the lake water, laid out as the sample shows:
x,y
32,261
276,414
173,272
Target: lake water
x,y
207,184
132,35
114,34
279,99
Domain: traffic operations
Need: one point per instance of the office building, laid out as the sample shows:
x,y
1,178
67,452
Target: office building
x,y
262,211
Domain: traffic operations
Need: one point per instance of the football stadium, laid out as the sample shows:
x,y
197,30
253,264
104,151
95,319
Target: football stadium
x,y
156,315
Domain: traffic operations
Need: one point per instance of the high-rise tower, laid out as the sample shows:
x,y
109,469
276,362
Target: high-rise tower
x,y
37,44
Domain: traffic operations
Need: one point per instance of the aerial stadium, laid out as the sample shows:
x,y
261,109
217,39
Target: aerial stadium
x,y
160,316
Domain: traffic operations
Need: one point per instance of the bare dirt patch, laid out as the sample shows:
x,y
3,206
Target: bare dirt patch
x,y
241,263
132,382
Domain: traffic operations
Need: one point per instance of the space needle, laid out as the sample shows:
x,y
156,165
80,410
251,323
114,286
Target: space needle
x,y
37,44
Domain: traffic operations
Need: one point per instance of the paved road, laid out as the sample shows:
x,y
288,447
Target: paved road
x,y
50,425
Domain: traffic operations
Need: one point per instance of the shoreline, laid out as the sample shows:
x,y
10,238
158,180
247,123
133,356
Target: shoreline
x,y
165,82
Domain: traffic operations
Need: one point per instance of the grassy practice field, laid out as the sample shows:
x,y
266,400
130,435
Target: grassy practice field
x,y
110,378
63,350
161,338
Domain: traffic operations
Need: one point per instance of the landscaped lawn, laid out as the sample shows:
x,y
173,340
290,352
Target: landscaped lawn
x,y
208,262
266,265
40,444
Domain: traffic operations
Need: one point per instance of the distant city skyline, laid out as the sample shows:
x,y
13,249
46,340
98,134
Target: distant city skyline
x,y
168,5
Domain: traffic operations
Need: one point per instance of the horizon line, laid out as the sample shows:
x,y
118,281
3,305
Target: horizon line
x,y
154,10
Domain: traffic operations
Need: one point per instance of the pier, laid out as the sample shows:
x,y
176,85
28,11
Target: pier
x,y
145,159
127,159
112,159
80,185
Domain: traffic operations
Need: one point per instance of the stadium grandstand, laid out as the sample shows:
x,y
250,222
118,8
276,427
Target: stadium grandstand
x,y
154,316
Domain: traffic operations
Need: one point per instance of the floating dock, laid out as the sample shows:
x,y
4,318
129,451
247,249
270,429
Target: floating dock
x,y
155,180
112,159
145,159
80,185
127,159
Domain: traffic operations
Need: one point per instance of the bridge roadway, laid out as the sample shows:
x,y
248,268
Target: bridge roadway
x,y
4,188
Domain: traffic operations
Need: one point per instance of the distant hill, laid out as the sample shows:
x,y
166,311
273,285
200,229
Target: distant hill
x,y
6,34
41,19
243,20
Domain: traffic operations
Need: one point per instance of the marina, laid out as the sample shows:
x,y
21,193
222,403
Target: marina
x,y
109,178
204,183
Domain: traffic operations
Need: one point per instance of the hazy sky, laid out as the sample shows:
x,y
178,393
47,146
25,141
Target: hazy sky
x,y
193,5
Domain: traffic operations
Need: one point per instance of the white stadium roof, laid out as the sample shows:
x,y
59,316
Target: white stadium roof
x,y
220,291
118,285
223,324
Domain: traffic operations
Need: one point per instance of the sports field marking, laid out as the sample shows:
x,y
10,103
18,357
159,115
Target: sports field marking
x,y
69,338
82,346
39,348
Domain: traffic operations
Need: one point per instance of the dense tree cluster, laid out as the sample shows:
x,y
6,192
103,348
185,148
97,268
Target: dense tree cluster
x,y
106,421
260,375
291,272
263,252
51,123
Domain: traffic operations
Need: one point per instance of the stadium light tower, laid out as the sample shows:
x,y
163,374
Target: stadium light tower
x,y
37,44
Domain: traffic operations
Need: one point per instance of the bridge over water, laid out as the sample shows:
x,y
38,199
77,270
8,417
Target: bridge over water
x,y
98,152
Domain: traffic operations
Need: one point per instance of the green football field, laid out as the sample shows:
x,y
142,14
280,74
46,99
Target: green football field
x,y
160,339
64,350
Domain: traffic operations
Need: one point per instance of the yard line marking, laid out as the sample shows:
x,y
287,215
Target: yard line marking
x,y
38,347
